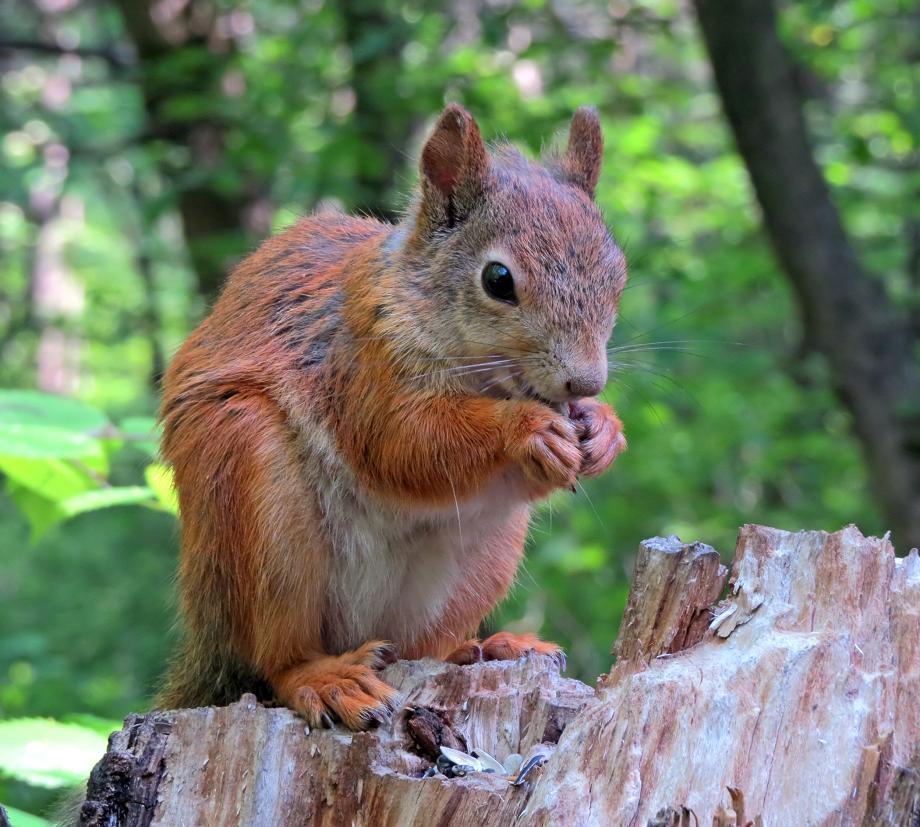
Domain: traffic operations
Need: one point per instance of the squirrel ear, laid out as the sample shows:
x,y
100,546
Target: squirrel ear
x,y
581,163
454,167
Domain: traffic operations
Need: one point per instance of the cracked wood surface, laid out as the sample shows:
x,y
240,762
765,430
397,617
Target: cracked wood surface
x,y
800,690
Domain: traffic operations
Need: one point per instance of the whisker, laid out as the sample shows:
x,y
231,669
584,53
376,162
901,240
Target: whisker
x,y
600,522
653,349
462,370
457,506
648,404
657,372
624,320
458,358
499,380
669,344
672,321
514,349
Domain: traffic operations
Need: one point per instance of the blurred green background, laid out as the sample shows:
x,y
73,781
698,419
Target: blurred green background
x,y
148,145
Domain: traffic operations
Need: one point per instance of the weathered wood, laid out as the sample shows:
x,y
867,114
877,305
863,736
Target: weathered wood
x,y
901,803
246,764
796,701
668,607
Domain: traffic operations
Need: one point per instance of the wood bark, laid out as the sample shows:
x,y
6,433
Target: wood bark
x,y
793,701
870,346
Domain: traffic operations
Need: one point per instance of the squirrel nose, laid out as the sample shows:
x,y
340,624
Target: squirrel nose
x,y
585,384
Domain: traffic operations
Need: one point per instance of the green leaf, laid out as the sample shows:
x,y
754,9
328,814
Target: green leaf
x,y
34,424
40,512
105,498
33,407
48,753
55,479
38,441
160,479
20,818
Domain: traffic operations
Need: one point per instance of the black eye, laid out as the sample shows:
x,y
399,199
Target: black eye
x,y
498,283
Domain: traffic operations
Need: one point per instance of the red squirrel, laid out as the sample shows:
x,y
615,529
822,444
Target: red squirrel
x,y
359,428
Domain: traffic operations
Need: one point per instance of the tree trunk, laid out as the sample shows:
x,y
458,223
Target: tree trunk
x,y
795,701
871,348
214,222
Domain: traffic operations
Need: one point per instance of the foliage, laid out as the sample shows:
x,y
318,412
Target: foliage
x,y
20,818
729,415
55,454
41,756
49,753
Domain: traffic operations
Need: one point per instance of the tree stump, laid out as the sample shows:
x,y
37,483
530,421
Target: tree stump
x,y
793,701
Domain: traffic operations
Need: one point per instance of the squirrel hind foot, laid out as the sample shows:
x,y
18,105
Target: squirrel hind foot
x,y
505,646
340,688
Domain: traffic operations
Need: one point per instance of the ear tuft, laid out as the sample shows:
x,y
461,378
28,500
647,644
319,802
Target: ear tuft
x,y
454,166
581,163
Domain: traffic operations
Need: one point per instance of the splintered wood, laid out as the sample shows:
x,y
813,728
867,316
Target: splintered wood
x,y
793,701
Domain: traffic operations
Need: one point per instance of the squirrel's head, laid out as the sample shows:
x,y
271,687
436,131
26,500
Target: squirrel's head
x,y
511,275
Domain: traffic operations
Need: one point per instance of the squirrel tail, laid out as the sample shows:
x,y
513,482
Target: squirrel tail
x,y
204,673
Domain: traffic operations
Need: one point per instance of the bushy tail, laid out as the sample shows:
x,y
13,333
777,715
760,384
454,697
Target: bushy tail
x,y
66,813
204,673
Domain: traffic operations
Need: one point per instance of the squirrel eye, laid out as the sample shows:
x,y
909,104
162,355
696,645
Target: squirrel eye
x,y
498,283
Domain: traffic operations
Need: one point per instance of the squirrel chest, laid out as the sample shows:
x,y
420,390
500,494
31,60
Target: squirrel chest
x,y
395,569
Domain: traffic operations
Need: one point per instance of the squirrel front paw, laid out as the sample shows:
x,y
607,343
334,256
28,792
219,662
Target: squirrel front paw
x,y
600,433
545,445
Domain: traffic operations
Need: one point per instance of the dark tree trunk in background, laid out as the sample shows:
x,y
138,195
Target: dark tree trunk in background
x,y
214,222
868,343
382,119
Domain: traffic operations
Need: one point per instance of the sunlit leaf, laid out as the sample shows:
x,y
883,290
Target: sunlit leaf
x,y
20,818
34,424
105,498
40,512
38,441
160,479
55,479
48,753
36,408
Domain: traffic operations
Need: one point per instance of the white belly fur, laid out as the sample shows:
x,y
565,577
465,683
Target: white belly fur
x,y
393,569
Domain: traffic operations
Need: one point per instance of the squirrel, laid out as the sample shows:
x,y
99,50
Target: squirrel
x,y
360,427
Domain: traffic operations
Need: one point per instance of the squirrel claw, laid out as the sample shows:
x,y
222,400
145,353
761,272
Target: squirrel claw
x,y
548,450
384,655
376,716
600,435
339,687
